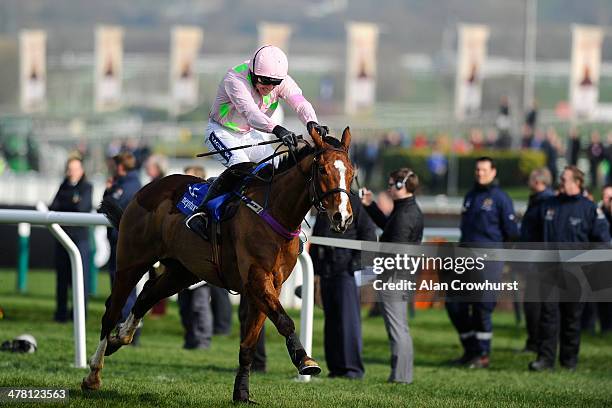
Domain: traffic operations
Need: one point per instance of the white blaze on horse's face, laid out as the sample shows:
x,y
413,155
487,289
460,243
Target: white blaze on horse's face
x,y
346,217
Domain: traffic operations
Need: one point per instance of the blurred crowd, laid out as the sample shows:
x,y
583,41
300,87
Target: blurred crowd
x,y
573,144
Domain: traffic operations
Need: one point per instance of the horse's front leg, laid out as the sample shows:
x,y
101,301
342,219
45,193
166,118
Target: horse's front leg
x,y
254,322
268,301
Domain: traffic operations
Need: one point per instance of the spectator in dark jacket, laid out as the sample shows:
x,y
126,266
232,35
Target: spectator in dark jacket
x,y
568,217
608,157
551,149
573,147
487,217
340,294
540,181
503,123
122,186
596,155
531,118
74,195
404,224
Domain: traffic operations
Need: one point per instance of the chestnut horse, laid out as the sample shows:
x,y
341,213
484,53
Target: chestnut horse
x,y
254,259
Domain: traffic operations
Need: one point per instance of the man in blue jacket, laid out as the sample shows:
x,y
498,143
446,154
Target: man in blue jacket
x,y
487,216
540,181
123,185
568,217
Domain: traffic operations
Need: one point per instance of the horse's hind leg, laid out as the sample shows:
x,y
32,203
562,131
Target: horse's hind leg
x,y
254,322
174,278
267,301
113,315
123,285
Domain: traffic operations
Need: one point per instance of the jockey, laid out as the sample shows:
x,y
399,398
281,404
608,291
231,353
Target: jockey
x,y
241,113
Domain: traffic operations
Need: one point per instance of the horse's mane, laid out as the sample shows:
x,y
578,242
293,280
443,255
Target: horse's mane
x,y
288,161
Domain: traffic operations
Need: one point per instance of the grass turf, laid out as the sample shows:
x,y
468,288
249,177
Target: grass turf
x,y
161,373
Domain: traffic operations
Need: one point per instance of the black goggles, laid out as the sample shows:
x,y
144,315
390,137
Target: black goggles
x,y
268,81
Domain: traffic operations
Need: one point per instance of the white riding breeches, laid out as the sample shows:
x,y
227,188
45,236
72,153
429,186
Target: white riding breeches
x,y
219,138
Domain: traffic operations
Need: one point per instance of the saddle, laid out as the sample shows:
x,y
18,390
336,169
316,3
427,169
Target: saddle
x,y
222,207
193,198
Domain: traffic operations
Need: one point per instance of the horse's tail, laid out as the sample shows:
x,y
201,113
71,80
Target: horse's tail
x,y
111,210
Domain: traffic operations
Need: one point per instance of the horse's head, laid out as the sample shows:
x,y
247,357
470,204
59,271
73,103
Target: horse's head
x,y
332,175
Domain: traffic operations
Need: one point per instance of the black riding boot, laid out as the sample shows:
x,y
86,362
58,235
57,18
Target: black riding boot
x,y
198,222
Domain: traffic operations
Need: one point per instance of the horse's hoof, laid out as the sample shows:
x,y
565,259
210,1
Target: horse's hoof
x,y
90,385
308,366
241,396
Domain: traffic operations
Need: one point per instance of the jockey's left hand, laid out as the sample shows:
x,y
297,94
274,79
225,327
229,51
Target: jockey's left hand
x,y
289,138
321,129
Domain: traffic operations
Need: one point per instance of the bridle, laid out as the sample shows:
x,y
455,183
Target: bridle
x,y
312,180
316,195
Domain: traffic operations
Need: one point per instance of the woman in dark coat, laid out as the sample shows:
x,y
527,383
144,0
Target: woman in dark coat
x,y
74,195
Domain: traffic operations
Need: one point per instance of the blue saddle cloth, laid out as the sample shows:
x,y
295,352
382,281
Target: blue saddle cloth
x,y
194,196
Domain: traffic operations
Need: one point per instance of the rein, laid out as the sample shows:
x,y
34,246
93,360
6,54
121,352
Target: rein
x,y
315,194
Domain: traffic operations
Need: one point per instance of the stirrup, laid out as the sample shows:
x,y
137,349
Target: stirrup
x,y
198,223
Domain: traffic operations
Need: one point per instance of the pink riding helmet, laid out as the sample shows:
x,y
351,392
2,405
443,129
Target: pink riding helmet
x,y
269,61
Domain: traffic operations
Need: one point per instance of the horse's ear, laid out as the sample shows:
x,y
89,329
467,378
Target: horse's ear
x,y
316,138
346,138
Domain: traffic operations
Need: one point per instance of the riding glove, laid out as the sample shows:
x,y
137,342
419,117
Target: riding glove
x,y
321,130
289,138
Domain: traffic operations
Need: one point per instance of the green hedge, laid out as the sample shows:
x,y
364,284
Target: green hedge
x,y
513,167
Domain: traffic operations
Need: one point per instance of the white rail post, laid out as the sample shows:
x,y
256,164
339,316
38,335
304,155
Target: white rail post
x,y
78,294
52,220
306,313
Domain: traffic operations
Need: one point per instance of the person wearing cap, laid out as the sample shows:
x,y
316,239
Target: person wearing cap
x,y
241,114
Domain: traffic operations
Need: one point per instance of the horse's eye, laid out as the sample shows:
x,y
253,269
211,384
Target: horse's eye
x,y
322,170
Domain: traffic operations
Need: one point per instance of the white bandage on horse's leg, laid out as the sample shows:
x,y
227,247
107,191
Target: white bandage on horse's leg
x,y
97,360
128,328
